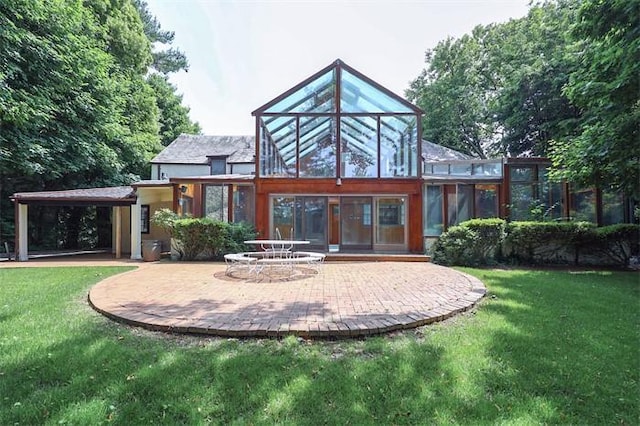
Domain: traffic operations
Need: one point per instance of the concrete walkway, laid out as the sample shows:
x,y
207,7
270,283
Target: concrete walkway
x,y
342,299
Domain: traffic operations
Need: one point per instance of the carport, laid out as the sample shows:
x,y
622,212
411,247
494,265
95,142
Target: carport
x,y
118,198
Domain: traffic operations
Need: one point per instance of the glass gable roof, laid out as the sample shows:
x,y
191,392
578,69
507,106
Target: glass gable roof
x,y
316,96
339,109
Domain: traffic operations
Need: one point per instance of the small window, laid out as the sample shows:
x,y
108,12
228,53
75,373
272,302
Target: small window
x,y
219,166
144,218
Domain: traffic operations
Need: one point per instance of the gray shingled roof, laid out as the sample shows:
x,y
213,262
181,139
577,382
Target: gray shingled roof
x,y
195,149
433,152
116,193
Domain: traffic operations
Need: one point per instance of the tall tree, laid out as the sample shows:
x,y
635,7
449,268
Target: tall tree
x,y
606,87
174,117
498,90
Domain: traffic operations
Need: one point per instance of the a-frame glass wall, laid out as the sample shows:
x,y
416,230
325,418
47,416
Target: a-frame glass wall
x,y
338,123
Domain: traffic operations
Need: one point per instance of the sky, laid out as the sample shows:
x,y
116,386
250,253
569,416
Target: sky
x,y
242,54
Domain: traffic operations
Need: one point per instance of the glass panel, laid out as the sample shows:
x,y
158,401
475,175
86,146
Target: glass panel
x,y
583,205
357,95
461,169
185,202
218,166
391,220
311,220
433,222
522,174
216,202
612,207
356,222
243,202
486,201
316,96
441,169
398,147
278,148
359,136
318,147
283,213
522,198
488,169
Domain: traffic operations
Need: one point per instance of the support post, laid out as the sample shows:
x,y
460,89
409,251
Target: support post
x,y
118,231
136,236
23,233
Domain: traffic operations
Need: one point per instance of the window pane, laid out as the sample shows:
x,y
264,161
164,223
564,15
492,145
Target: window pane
x,y
612,207
390,229
583,205
216,202
243,202
316,96
283,214
433,223
521,201
461,169
522,174
318,147
357,95
359,138
460,204
398,147
486,201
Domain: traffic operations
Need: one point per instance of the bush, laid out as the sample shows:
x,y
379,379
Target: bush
x,y
472,243
203,238
618,243
547,242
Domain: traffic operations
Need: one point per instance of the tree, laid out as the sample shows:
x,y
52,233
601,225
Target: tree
x,y
174,117
498,90
455,92
605,151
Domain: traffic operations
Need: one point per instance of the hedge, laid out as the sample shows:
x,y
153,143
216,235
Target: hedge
x,y
488,241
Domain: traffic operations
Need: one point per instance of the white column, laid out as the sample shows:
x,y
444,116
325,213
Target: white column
x,y
136,236
23,232
118,231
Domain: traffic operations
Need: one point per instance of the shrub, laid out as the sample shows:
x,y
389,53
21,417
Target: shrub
x,y
203,238
547,242
474,242
618,243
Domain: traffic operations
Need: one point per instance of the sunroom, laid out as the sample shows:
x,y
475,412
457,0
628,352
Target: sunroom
x,y
338,165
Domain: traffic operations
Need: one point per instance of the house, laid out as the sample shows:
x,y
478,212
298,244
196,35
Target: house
x,y
337,160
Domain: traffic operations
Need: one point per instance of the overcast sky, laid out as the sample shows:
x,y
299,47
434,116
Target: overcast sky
x,y
242,54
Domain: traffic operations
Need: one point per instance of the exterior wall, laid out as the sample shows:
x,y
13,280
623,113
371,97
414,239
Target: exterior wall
x,y
156,198
179,170
412,188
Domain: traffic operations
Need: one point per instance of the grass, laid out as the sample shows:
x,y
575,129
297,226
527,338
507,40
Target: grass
x,y
543,347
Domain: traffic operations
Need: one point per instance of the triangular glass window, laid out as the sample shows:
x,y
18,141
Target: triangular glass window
x,y
356,95
317,96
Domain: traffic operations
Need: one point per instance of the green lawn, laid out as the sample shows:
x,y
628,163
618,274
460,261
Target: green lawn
x,y
543,347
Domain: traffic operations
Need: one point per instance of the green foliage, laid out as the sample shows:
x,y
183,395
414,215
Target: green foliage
x,y
605,149
203,238
485,241
497,90
474,242
76,109
618,243
174,117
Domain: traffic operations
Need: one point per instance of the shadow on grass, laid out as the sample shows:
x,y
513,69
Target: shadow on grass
x,y
570,346
542,351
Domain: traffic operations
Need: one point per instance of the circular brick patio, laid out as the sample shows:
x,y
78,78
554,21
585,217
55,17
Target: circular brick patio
x,y
339,300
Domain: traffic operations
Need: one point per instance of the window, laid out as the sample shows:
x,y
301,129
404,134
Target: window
x,y
433,222
145,213
218,165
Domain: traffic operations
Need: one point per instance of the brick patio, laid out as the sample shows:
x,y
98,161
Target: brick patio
x,y
343,299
